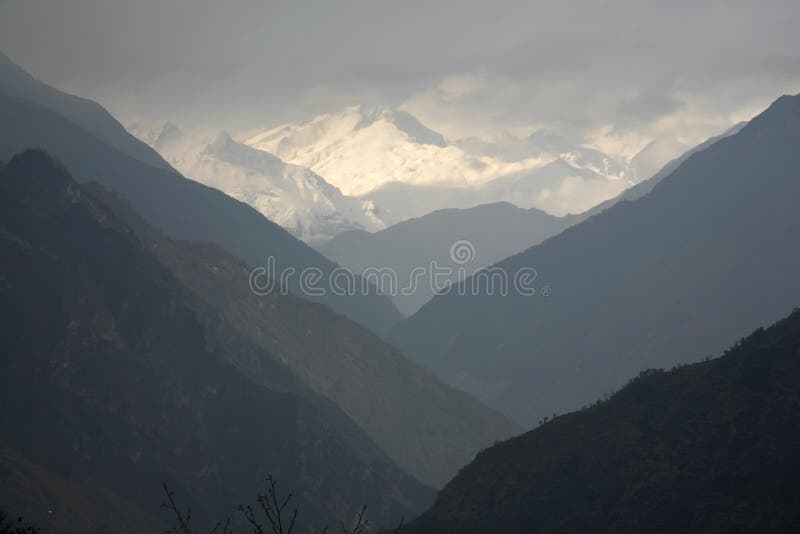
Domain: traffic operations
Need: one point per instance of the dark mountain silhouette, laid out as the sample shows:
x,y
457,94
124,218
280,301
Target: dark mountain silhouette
x,y
426,427
709,447
703,258
495,230
116,376
642,188
181,208
86,114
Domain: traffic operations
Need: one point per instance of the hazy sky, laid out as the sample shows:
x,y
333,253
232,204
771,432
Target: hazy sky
x,y
614,71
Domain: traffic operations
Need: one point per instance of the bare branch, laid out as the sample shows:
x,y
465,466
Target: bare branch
x,y
271,505
225,526
361,523
183,522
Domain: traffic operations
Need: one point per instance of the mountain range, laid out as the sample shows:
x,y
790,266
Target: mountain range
x,y
367,168
348,364
388,157
146,357
89,116
195,316
182,208
296,198
672,276
493,231
490,232
117,377
642,188
708,447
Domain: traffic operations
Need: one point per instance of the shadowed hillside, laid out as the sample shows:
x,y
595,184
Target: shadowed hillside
x,y
494,231
705,257
116,377
41,117
710,447
428,428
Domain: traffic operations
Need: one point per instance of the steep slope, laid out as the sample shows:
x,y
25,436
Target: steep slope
x,y
88,115
655,154
710,447
703,258
116,377
296,198
494,232
182,208
388,157
360,148
426,427
642,188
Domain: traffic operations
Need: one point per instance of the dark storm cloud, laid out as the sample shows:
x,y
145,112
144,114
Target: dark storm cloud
x,y
254,61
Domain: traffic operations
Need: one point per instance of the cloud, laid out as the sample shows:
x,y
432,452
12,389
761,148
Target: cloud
x,y
467,67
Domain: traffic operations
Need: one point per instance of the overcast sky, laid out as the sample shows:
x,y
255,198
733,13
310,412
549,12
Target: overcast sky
x,y
617,71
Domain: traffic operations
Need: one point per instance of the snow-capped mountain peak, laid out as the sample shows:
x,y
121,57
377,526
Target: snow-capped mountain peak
x,y
328,128
579,155
294,197
403,121
228,150
361,149
372,151
325,174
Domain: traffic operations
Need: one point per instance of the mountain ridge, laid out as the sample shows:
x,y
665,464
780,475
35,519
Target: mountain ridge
x,y
89,115
336,359
492,232
530,363
296,198
182,208
117,378
703,447
366,153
